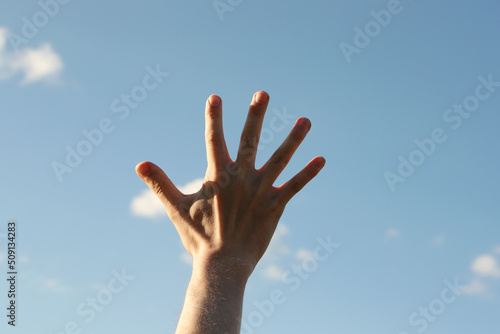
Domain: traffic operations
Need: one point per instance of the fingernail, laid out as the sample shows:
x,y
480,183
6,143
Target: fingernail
x,y
321,162
144,170
304,123
261,97
214,101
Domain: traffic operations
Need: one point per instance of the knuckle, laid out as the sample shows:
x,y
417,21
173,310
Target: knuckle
x,y
297,134
157,187
278,160
212,138
295,187
213,113
258,110
249,142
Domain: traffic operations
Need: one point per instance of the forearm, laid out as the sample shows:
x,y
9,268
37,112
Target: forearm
x,y
214,299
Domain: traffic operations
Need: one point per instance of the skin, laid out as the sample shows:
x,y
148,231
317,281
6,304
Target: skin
x,y
228,224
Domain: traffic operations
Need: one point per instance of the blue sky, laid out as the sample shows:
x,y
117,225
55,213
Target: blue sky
x,y
404,100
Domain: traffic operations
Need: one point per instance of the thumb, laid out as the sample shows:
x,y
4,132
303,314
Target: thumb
x,y
160,184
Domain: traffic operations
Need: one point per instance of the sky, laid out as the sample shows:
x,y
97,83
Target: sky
x,y
399,233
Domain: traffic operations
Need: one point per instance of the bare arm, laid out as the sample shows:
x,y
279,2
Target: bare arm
x,y
228,224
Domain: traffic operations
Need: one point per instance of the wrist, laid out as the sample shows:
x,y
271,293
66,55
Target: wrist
x,y
214,298
222,268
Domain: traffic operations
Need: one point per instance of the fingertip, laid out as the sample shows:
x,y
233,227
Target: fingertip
x,y
320,162
143,169
304,123
261,96
214,100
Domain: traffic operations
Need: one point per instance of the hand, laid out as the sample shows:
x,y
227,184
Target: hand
x,y
229,222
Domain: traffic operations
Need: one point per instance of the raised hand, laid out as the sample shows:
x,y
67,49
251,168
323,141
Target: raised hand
x,y
228,224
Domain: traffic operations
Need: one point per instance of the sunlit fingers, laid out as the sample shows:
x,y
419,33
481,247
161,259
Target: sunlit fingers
x,y
296,183
156,179
278,161
251,131
216,147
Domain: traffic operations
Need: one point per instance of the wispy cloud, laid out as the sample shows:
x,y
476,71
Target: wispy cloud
x,y
303,254
392,233
40,64
54,285
273,272
496,250
278,251
147,205
475,287
186,258
278,246
438,241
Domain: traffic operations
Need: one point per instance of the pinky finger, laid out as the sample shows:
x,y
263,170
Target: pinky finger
x,y
296,183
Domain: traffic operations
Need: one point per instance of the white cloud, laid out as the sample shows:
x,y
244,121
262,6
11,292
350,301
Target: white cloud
x,y
192,187
278,247
3,38
278,251
146,204
475,287
486,270
438,241
186,258
303,254
486,265
40,64
273,272
392,233
55,285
